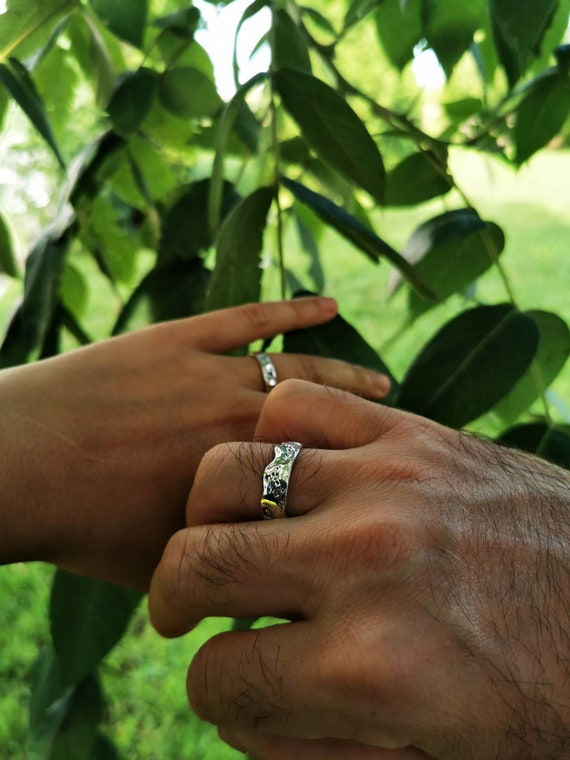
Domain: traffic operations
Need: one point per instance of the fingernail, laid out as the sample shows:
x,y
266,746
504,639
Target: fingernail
x,y
328,305
381,383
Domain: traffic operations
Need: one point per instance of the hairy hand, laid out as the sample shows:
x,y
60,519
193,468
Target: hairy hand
x,y
425,574
100,446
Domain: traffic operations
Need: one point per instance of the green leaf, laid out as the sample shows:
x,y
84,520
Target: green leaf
x,y
357,10
185,230
450,252
332,129
132,100
519,27
337,339
551,442
8,263
93,56
173,291
251,10
182,23
541,114
63,721
471,364
318,19
188,93
26,17
104,749
289,46
19,84
237,274
30,324
399,28
87,618
417,179
449,27
227,122
125,19
74,291
553,351
357,233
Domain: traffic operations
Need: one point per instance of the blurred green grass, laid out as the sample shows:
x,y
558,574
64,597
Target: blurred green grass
x,y
145,675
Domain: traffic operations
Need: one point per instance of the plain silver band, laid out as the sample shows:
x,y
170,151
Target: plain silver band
x,y
276,480
268,371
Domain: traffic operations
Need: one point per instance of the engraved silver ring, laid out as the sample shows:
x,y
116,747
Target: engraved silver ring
x,y
276,480
268,371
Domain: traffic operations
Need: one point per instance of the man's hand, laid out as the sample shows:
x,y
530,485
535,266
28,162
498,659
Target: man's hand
x,y
426,575
100,446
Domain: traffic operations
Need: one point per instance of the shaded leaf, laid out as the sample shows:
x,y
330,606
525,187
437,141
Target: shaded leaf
x,y
470,364
289,45
227,122
8,263
449,27
237,275
182,23
185,230
332,129
399,27
188,93
542,114
125,19
357,10
132,100
30,324
173,291
19,84
450,252
417,179
337,339
357,233
551,442
553,351
87,618
519,27
318,19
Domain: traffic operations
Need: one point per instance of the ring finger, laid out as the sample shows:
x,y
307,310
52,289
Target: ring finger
x,y
229,482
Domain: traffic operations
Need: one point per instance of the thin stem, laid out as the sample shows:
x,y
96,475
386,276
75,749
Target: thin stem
x,y
276,163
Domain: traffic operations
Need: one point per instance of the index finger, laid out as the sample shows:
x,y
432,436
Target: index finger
x,y
228,329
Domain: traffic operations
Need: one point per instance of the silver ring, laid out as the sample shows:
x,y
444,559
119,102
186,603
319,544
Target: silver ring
x,y
268,371
276,480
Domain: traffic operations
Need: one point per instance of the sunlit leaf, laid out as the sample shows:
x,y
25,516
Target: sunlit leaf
x,y
125,19
470,364
19,84
553,351
357,10
26,17
237,274
318,19
332,129
87,618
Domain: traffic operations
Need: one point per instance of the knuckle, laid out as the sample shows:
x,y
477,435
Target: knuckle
x,y
257,314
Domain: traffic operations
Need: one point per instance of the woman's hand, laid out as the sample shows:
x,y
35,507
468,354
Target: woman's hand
x,y
100,446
